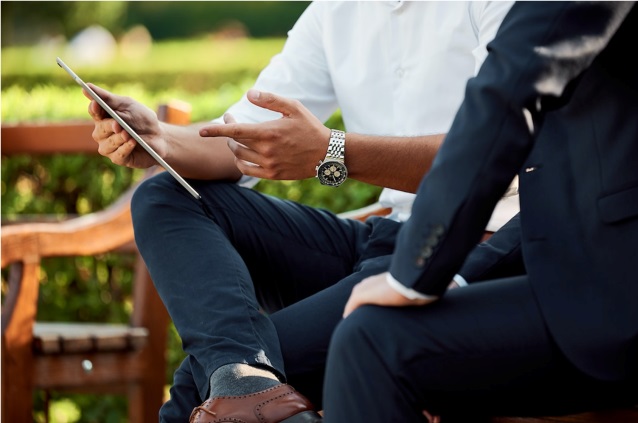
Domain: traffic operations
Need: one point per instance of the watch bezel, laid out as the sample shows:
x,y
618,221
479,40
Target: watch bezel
x,y
335,182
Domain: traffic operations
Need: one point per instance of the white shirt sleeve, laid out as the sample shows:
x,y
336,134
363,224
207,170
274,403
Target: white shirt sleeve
x,y
460,280
486,18
300,71
405,291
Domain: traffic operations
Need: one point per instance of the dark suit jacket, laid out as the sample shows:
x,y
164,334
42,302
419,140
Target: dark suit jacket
x,y
556,102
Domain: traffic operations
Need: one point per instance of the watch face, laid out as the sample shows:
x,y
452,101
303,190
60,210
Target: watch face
x,y
332,173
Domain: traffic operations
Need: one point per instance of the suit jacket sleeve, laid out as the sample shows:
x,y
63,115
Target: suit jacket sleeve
x,y
538,54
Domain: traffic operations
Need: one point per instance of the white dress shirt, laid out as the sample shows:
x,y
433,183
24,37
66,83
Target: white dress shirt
x,y
393,68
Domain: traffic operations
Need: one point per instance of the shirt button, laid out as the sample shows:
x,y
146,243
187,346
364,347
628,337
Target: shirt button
x,y
400,72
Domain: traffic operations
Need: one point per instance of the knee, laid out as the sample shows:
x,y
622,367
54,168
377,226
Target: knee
x,y
152,196
356,334
157,188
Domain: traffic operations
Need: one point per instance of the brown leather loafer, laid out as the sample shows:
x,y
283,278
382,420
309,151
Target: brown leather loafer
x,y
280,404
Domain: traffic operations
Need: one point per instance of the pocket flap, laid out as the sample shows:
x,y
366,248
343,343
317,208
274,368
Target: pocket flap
x,y
618,206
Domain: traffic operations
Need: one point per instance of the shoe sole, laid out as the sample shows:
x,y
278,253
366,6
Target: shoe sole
x,y
305,417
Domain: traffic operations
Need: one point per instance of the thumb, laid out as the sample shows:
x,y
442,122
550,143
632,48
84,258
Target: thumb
x,y
115,101
271,101
228,118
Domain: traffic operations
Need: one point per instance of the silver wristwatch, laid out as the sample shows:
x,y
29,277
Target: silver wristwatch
x,y
332,170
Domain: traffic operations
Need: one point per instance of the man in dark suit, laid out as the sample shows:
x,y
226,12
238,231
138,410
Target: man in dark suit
x,y
548,322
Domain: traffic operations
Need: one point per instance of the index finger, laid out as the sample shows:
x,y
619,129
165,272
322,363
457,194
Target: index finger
x,y
238,131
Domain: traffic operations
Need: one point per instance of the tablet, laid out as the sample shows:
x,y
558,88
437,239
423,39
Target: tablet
x,y
130,130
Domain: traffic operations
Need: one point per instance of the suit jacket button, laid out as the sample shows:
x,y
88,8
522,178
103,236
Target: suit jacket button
x,y
438,229
432,240
426,252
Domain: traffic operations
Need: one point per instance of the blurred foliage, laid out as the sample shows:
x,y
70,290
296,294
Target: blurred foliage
x,y
29,22
68,408
100,288
257,18
190,66
25,23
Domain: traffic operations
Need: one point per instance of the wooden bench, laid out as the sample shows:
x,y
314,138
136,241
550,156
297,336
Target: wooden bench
x,y
77,357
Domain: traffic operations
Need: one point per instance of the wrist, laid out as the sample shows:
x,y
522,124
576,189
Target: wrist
x,y
332,170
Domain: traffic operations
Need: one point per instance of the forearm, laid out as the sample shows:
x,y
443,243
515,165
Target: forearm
x,y
392,162
199,157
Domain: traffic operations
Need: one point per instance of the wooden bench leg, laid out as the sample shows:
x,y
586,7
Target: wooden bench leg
x,y
17,357
146,399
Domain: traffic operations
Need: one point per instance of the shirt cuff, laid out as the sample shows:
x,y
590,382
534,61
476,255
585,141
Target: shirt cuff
x,y
405,291
460,280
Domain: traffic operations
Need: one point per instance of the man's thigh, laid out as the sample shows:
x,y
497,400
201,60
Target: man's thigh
x,y
481,349
291,250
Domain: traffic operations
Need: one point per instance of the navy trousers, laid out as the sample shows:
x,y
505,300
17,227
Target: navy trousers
x,y
481,350
248,278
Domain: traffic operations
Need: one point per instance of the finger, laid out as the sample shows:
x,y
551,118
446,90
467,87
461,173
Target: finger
x,y
241,152
123,155
95,111
105,95
431,418
117,128
237,131
115,145
250,169
86,94
353,302
116,102
273,102
105,128
231,130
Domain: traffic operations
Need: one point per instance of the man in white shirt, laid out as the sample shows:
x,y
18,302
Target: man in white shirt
x,y
392,68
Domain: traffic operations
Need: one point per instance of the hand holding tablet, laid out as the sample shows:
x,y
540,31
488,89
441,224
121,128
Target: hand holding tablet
x,y
130,130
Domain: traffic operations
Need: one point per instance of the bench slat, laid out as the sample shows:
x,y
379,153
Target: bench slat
x,y
35,139
55,338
